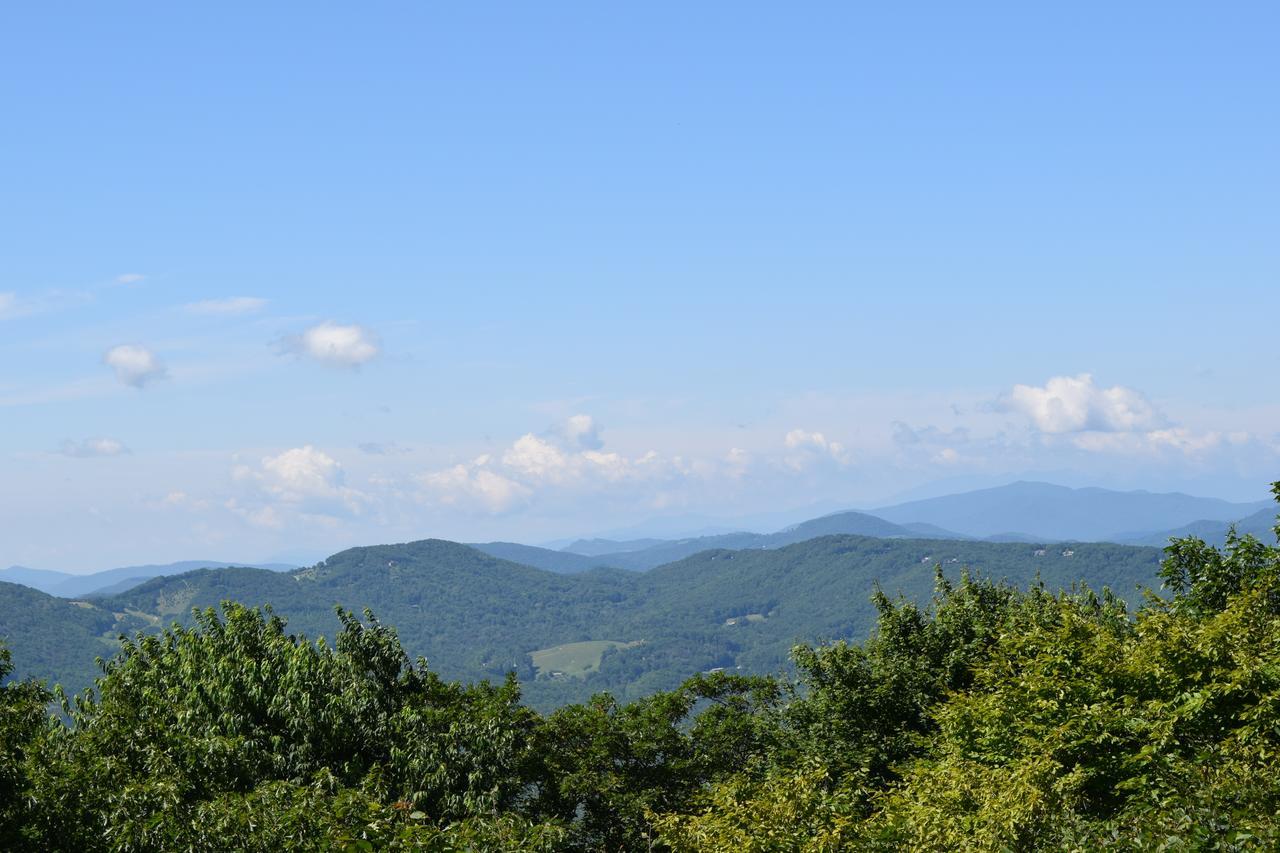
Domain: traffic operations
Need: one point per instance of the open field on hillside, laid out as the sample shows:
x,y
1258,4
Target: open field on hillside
x,y
575,660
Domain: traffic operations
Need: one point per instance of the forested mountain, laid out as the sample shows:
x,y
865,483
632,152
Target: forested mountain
x,y
56,639
67,585
475,616
1042,511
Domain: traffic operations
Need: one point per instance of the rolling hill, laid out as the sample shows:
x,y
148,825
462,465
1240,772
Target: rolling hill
x,y
475,616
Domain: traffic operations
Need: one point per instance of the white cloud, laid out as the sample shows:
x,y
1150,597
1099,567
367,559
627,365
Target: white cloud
x,y
336,345
8,305
134,365
580,431
129,278
223,307
1179,439
91,447
565,460
304,479
1072,411
492,491
536,457
1075,404
809,447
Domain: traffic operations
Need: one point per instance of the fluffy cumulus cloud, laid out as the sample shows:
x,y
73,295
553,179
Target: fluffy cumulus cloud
x,y
226,307
568,458
537,458
1067,404
134,365
1073,411
476,484
336,345
302,479
580,431
805,449
91,447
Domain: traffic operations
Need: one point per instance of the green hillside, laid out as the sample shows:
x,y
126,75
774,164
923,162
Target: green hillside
x,y
474,616
57,639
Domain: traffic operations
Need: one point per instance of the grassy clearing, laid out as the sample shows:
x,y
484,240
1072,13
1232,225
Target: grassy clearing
x,y
574,660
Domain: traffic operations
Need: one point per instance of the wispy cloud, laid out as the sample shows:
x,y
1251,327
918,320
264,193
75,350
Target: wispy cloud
x,y
130,278
223,307
384,448
92,447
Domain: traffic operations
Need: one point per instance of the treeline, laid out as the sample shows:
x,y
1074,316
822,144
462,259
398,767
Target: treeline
x,y
993,719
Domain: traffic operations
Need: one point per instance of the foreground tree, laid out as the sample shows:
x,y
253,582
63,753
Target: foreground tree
x,y
234,729
22,719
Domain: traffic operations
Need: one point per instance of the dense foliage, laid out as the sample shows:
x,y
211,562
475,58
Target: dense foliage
x,y
996,717
475,617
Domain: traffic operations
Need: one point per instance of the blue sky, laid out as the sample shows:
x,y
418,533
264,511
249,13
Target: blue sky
x,y
281,278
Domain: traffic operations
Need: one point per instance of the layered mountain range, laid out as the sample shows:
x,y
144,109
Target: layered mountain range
x,y
629,617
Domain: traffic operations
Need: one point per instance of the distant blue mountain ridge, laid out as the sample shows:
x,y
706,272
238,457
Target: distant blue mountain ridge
x,y
1025,512
111,581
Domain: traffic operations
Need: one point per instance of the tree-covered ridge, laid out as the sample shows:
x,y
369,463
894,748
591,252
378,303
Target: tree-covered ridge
x,y
473,616
992,718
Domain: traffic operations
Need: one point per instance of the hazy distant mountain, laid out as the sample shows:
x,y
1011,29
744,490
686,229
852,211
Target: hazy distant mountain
x,y
596,547
849,522
40,579
110,581
680,527
1260,525
932,531
563,562
1041,511
837,524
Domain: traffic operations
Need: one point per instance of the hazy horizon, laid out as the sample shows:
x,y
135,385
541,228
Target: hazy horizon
x,y
672,526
